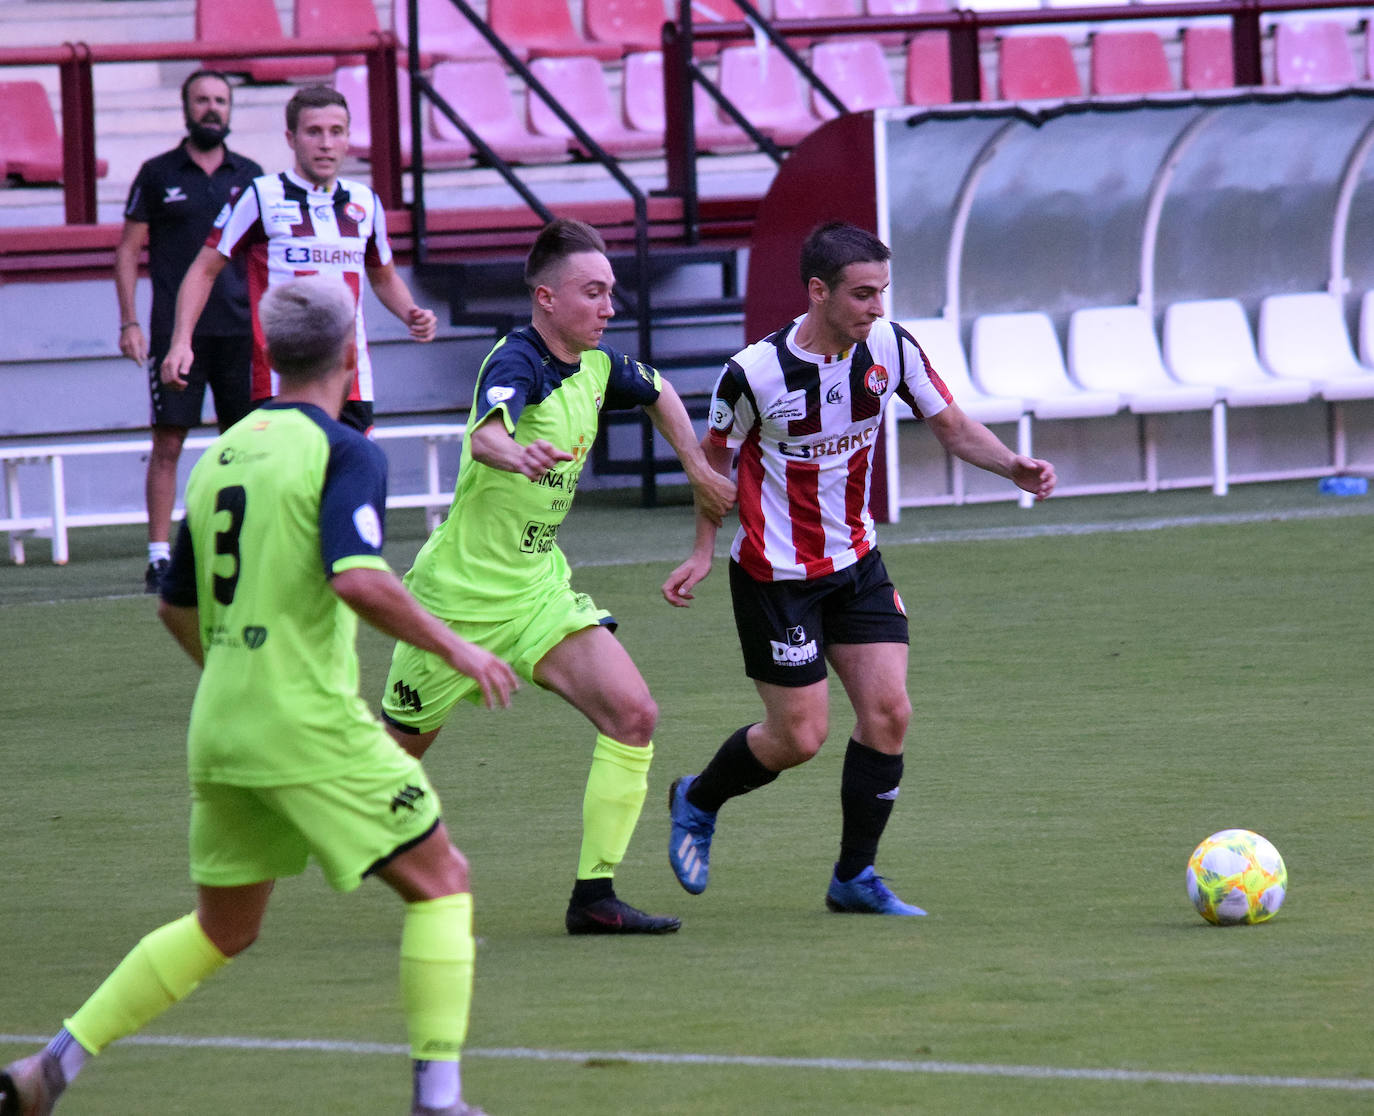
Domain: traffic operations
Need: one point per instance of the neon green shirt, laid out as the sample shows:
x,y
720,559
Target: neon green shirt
x,y
497,552
280,503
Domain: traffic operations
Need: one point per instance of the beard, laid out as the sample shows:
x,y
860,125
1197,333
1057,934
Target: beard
x,y
207,133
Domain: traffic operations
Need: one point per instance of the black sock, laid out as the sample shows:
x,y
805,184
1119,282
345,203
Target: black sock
x,y
868,789
586,892
733,770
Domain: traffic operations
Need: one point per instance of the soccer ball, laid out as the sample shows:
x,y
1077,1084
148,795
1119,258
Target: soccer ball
x,y
1236,876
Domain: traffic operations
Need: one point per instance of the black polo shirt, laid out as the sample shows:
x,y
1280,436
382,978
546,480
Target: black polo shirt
x,y
179,203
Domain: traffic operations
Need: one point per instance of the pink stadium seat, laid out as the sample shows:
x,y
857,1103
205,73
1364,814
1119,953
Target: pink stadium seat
x,y
579,85
1313,52
642,94
321,19
768,91
719,11
30,146
906,7
1036,67
855,70
628,24
351,81
1129,62
1207,59
814,9
544,27
221,20
446,34
478,91
927,69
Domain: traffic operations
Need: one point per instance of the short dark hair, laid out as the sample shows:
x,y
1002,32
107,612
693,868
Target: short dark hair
x,y
307,323
195,77
313,96
556,241
830,248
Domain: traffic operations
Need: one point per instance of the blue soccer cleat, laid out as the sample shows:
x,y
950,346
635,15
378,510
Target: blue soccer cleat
x,y
689,837
866,894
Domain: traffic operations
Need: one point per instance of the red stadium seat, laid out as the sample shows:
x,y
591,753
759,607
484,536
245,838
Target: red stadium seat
x,y
445,34
855,70
478,92
351,81
579,85
1036,67
1129,62
1208,62
628,24
814,9
30,146
763,85
642,94
906,7
1313,52
544,28
322,19
927,69
236,20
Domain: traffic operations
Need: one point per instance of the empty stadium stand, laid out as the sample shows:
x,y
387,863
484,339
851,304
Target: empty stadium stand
x,y
30,146
248,21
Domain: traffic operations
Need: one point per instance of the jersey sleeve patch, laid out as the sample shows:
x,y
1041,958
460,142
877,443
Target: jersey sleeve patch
x,y
353,503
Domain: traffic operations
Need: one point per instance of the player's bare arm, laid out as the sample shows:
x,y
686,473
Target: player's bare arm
x,y
677,590
379,598
192,295
492,444
184,624
132,342
392,292
971,441
713,492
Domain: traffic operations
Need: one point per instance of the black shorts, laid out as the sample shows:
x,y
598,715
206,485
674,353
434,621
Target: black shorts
x,y
785,626
223,363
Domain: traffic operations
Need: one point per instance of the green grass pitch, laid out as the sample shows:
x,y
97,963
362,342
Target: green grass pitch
x,y
1090,702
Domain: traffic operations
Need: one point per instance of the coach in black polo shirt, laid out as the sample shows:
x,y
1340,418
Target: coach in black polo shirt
x,y
172,204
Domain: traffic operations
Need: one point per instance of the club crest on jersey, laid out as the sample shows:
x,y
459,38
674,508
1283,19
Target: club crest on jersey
x,y
354,212
499,395
875,380
368,524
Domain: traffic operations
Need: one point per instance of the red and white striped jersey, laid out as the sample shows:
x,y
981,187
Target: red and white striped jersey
x,y
806,427
290,228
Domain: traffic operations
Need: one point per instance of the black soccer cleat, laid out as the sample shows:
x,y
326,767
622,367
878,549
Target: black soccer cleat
x,y
615,916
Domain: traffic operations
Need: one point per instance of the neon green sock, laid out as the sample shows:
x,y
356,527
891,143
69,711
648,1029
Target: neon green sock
x,y
616,786
165,967
436,975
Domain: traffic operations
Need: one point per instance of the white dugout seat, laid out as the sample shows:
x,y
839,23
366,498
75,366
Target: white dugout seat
x,y
1113,348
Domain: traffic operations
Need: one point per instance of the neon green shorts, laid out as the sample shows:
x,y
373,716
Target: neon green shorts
x,y
352,824
422,689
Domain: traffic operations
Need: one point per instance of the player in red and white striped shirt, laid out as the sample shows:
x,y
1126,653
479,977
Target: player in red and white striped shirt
x,y
805,406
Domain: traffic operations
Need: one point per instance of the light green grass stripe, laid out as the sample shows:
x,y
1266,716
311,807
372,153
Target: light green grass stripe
x,y
861,1065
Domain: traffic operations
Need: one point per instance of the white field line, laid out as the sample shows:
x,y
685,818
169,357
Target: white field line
x,y
853,1065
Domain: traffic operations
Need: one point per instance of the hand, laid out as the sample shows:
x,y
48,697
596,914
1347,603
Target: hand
x,y
538,458
1034,476
133,345
677,590
713,496
497,680
423,324
176,366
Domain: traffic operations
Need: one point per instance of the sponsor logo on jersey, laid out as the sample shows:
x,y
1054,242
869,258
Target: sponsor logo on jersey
x,y
354,212
538,538
796,651
875,380
174,194
787,407
834,395
254,636
368,524
407,697
284,213
222,218
829,447
324,254
722,417
499,395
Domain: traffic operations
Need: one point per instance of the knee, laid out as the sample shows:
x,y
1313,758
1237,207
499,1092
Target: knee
x,y
799,740
889,721
455,871
634,721
231,940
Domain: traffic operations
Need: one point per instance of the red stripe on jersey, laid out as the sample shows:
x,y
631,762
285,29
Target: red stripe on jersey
x,y
354,282
856,496
749,492
260,386
804,502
